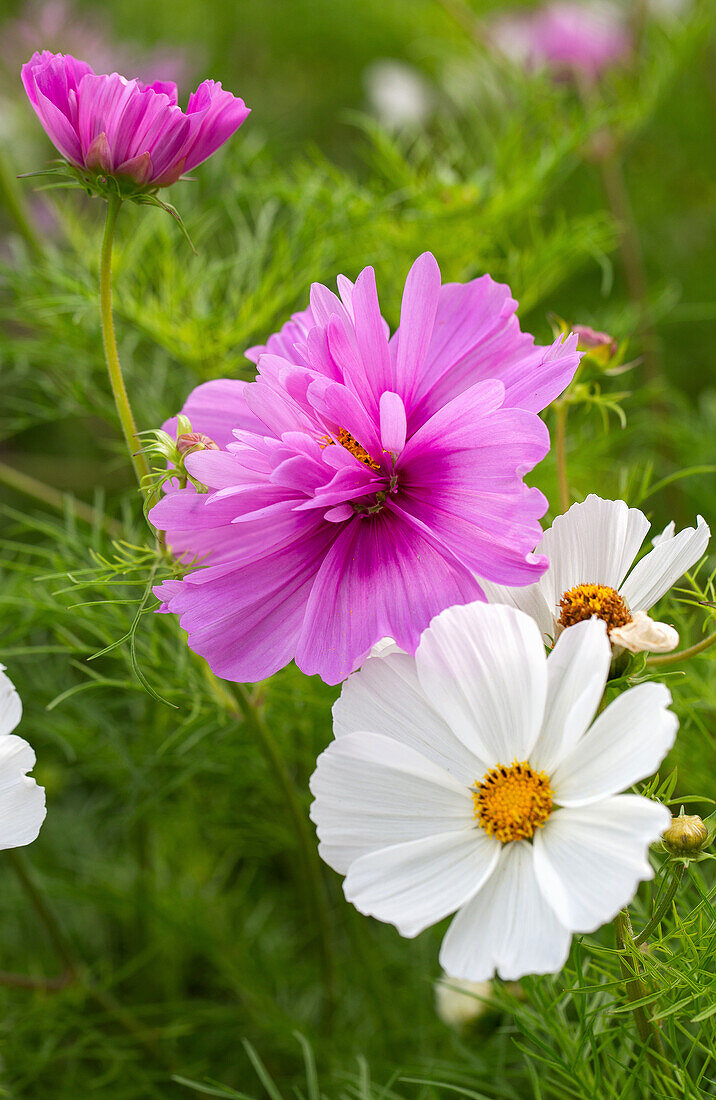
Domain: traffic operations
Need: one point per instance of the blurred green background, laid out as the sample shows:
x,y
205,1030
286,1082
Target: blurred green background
x,y
167,853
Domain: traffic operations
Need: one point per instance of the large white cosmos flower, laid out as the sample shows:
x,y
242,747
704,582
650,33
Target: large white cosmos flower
x,y
472,778
591,549
22,802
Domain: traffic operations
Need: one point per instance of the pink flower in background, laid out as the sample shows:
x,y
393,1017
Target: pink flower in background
x,y
125,128
567,37
69,30
363,483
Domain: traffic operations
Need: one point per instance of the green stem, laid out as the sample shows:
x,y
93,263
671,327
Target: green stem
x,y
663,908
31,487
239,704
682,654
560,450
44,913
116,379
13,201
75,970
635,988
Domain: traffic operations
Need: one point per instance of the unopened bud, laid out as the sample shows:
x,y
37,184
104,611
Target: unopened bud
x,y
686,836
189,442
645,635
459,1002
599,344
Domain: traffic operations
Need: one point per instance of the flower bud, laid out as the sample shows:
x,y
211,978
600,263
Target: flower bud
x,y
643,634
600,345
459,1002
686,836
188,442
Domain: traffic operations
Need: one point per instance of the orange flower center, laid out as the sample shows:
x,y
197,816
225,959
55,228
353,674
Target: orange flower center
x,y
585,600
512,802
347,440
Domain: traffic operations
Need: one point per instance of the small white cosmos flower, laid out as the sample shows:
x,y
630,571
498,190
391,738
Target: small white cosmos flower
x,y
22,802
472,778
591,549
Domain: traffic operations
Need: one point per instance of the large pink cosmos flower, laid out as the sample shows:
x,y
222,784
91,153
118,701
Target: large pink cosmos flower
x,y
363,483
566,36
123,127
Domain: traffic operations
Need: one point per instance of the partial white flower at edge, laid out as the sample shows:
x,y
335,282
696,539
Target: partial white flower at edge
x,y
474,778
591,549
22,802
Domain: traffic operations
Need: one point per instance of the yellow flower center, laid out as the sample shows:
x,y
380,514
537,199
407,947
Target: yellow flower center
x,y
585,600
347,440
511,802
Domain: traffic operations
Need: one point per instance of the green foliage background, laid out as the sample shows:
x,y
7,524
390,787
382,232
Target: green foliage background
x,y
169,853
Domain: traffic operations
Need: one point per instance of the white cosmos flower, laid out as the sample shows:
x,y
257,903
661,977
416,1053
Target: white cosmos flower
x,y
591,549
22,802
472,778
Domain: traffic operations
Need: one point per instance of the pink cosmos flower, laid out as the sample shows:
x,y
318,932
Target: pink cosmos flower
x,y
567,37
363,483
123,127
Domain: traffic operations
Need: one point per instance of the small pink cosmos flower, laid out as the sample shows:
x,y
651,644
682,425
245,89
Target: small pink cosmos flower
x,y
363,482
123,127
567,37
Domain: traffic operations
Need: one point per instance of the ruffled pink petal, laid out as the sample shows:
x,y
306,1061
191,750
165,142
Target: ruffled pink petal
x,y
417,319
223,113
246,623
384,576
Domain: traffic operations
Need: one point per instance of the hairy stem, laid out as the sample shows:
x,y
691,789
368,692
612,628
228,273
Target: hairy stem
x,y
635,988
560,450
121,400
663,907
682,654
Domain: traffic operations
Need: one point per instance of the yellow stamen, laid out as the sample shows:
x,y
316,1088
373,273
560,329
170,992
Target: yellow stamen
x,y
512,802
585,600
346,440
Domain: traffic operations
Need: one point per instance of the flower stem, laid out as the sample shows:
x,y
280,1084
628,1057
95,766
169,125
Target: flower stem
x,y
635,988
663,907
682,654
239,704
119,391
44,913
31,487
14,202
560,450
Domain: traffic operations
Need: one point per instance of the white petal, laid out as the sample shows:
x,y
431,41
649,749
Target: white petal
x,y
372,792
577,670
386,697
508,927
16,758
10,705
483,668
666,534
661,568
536,600
416,884
595,542
22,811
627,742
590,860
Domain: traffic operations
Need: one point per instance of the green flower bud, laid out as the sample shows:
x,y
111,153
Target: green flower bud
x,y
686,836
